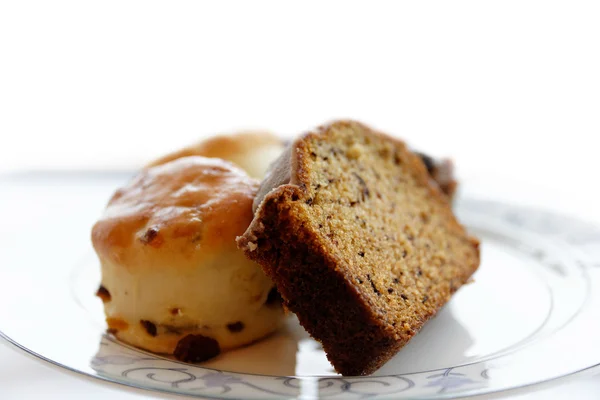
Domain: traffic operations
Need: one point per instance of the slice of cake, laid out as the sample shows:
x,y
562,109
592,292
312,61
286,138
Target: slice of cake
x,y
360,242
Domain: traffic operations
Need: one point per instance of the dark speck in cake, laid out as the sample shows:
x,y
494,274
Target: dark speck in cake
x,y
196,348
149,235
236,327
103,293
375,290
149,327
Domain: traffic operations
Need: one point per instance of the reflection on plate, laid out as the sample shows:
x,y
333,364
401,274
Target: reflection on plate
x,y
529,317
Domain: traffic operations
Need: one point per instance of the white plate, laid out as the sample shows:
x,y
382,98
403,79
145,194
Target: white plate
x,y
531,316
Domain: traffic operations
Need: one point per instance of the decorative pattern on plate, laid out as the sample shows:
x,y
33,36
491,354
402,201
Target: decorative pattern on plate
x,y
118,363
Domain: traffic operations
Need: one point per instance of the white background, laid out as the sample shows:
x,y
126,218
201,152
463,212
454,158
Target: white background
x,y
510,90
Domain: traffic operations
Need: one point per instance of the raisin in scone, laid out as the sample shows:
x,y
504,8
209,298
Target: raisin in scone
x,y
251,151
173,280
361,243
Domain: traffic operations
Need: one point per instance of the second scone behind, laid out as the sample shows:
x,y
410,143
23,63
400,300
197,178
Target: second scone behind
x,y
251,151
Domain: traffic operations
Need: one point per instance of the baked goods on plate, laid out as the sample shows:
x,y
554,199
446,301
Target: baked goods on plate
x,y
173,280
362,245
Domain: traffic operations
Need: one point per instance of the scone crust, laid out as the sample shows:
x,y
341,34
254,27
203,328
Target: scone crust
x,y
313,280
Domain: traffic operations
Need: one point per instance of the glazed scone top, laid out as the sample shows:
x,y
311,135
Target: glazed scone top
x,y
176,214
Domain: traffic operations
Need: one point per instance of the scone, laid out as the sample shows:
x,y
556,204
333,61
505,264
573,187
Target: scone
x,y
251,151
362,245
173,280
